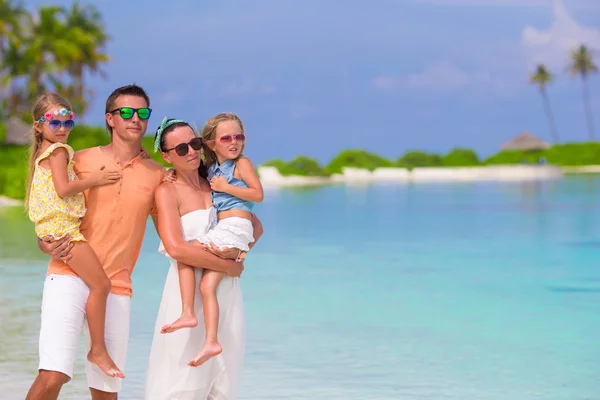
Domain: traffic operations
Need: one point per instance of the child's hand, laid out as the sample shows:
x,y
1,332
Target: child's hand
x,y
144,154
170,176
104,177
219,184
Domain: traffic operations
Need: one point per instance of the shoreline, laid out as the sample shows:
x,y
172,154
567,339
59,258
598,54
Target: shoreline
x,y
8,202
271,178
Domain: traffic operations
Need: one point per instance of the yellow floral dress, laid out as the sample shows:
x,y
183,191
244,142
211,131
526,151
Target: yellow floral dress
x,y
52,215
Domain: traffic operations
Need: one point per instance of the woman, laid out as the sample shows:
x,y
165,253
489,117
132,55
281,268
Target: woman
x,y
184,214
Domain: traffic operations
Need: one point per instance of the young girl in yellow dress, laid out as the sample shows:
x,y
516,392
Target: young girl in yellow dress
x,y
56,205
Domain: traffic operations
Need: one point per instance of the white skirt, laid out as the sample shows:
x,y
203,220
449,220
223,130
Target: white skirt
x,y
232,232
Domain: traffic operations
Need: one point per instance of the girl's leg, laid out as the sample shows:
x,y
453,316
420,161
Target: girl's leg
x,y
208,287
187,286
86,265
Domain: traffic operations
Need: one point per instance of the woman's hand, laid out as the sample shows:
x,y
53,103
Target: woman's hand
x,y
144,154
226,253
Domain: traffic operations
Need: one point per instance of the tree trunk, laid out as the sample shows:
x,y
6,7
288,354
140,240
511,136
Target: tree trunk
x,y
588,108
550,115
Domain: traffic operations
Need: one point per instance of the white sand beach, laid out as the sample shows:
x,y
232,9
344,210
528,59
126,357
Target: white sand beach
x,y
7,201
270,176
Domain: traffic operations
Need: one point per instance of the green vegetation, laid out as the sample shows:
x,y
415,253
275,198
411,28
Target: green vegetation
x,y
460,157
2,132
357,159
301,165
52,49
415,159
13,159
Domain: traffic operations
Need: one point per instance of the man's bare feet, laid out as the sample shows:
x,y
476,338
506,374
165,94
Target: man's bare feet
x,y
209,350
105,363
187,321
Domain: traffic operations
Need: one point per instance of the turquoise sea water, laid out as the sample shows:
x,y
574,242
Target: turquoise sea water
x,y
487,291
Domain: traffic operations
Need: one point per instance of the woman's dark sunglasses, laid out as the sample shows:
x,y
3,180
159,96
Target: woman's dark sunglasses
x,y
127,112
56,124
183,148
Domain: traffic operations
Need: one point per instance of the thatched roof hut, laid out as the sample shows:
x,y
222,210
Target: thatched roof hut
x,y
526,142
17,132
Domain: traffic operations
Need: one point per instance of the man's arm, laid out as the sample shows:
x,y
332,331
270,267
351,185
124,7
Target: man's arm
x,y
59,249
169,230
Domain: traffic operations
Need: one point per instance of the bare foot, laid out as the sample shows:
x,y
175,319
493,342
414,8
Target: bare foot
x,y
105,363
209,350
188,321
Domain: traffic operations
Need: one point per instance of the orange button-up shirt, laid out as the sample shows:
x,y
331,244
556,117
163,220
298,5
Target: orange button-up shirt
x,y
116,216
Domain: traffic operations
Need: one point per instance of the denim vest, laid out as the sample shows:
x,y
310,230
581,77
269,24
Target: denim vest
x,y
224,201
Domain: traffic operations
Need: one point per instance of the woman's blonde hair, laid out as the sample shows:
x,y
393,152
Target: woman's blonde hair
x,y
41,105
210,133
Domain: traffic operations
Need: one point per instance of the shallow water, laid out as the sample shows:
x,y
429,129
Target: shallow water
x,y
430,291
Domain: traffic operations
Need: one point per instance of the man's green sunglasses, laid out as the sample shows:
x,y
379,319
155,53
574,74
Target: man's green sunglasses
x,y
127,112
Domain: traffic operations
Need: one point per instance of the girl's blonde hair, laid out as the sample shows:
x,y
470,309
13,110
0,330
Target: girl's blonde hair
x,y
41,105
210,133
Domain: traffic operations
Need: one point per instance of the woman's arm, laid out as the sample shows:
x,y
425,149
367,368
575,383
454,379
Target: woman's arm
x,y
258,230
169,230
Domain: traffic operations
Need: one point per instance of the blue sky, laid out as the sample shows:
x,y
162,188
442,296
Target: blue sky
x,y
313,77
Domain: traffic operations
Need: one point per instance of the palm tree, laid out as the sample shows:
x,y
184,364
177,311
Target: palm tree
x,y
10,16
48,50
87,31
541,77
582,64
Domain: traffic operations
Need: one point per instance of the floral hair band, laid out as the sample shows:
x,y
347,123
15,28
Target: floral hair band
x,y
62,112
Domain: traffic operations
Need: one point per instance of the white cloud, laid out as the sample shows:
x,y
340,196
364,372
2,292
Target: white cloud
x,y
552,45
442,77
579,4
246,86
386,82
485,3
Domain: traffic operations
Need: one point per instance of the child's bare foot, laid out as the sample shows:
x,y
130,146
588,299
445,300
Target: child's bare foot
x,y
187,321
209,350
105,363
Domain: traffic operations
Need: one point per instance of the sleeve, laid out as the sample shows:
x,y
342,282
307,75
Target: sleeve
x,y
53,147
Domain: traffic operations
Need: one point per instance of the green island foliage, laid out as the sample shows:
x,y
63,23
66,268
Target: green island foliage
x,y
13,159
2,132
300,165
357,158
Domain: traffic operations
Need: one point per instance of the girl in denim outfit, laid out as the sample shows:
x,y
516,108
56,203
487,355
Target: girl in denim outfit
x,y
235,188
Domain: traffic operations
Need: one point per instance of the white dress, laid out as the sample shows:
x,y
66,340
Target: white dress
x,y
168,376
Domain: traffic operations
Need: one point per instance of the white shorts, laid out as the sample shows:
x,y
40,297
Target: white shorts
x,y
232,232
63,317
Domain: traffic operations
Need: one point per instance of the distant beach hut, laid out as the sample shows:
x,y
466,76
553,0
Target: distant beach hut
x,y
526,142
17,132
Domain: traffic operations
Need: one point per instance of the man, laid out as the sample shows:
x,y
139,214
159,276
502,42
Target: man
x,y
114,226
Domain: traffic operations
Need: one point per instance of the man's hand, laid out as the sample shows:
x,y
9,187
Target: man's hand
x,y
235,269
58,249
223,253
170,175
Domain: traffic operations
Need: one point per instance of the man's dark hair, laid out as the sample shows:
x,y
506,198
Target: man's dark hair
x,y
129,90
